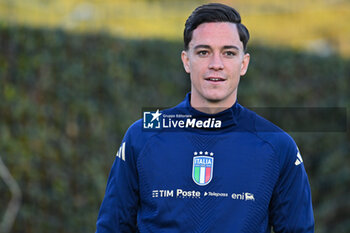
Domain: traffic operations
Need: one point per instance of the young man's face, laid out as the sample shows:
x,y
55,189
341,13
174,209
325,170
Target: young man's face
x,y
215,61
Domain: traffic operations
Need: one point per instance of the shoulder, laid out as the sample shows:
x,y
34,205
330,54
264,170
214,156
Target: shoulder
x,y
280,141
136,137
263,127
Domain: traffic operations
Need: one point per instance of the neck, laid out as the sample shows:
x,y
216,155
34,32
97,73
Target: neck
x,y
212,107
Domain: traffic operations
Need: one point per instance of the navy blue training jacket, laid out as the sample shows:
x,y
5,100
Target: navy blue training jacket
x,y
245,175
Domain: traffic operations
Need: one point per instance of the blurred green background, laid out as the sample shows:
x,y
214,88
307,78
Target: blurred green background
x,y
75,74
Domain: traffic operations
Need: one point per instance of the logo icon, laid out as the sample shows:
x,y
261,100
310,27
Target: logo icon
x,y
121,152
249,197
202,169
155,193
151,120
299,159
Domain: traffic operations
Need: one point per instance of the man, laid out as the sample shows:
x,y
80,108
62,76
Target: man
x,y
211,165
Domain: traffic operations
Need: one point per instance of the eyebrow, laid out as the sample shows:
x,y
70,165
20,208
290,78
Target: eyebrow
x,y
208,47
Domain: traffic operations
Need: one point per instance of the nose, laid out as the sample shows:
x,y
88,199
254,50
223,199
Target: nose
x,y
216,62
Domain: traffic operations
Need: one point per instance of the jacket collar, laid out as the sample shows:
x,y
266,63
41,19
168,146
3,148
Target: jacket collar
x,y
227,117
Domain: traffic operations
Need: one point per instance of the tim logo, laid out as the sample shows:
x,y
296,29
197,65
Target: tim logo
x,y
202,169
152,120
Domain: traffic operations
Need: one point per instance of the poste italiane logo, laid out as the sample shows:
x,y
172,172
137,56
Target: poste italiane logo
x,y
202,168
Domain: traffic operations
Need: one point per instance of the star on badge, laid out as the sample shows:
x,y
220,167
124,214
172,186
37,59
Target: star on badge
x,y
156,115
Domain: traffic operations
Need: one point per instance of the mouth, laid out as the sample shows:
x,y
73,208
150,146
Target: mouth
x,y
215,79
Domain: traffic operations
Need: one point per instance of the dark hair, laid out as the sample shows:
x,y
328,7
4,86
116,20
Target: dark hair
x,y
214,12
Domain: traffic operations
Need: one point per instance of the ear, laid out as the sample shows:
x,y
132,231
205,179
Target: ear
x,y
185,61
245,63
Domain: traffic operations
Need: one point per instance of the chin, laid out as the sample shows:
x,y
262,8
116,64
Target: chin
x,y
215,98
218,97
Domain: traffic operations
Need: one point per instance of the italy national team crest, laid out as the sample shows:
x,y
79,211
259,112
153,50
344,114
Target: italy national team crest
x,y
202,169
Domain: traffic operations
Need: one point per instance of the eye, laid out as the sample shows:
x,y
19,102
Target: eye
x,y
230,53
202,53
